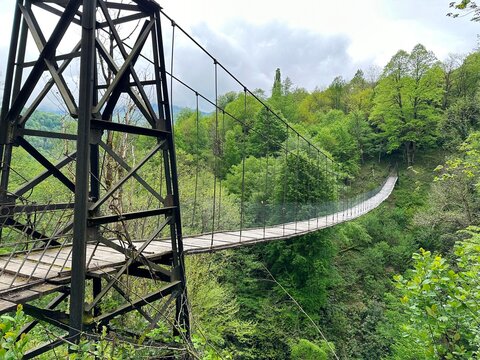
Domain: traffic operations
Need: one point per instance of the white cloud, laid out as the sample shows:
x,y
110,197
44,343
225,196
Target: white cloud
x,y
311,41
368,32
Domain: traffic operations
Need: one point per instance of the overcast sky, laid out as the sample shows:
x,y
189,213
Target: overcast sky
x,y
314,41
310,41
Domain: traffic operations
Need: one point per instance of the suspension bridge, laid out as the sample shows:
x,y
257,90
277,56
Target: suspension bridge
x,y
103,196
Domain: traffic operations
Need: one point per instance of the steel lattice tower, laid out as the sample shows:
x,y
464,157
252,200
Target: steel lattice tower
x,y
107,75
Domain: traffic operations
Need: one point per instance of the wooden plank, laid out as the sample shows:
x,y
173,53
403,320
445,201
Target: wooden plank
x,y
119,259
274,230
196,243
46,288
190,247
63,256
28,268
161,246
160,249
232,236
9,278
204,238
225,239
9,281
204,241
19,296
7,306
108,254
98,264
4,287
102,272
253,233
24,295
48,258
151,250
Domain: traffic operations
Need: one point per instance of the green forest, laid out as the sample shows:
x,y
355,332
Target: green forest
x,y
401,282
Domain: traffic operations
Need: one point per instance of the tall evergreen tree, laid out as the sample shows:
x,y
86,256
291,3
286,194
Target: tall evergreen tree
x,y
277,85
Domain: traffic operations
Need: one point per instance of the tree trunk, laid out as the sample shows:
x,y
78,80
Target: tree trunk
x,y
410,147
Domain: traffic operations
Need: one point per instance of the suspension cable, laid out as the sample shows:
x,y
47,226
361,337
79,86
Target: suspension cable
x,y
244,135
171,77
215,144
296,183
197,155
222,168
265,197
285,176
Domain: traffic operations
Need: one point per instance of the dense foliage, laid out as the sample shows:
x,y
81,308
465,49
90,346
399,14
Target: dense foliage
x,y
421,113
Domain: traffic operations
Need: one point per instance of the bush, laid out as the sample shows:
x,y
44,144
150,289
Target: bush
x,y
12,344
306,350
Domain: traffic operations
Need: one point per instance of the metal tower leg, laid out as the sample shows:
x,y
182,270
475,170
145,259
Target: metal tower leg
x,y
85,114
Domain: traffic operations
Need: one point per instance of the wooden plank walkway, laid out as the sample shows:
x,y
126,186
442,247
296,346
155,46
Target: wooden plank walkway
x,y
24,277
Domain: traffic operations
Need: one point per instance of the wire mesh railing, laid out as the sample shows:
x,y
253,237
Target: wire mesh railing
x,y
272,221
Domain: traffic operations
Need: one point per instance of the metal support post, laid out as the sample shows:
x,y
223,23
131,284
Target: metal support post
x,y
87,79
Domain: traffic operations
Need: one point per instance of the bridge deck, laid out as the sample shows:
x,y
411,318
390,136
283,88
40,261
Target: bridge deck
x,y
24,278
